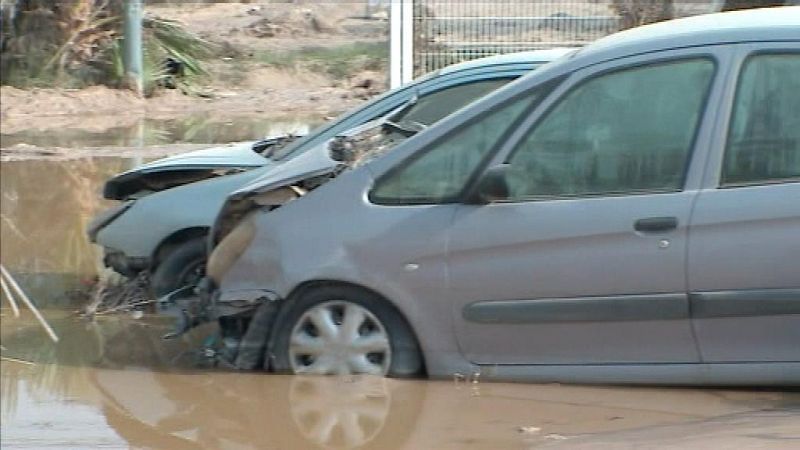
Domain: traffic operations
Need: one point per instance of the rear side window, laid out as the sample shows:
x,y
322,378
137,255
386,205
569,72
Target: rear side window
x,y
623,132
437,105
763,143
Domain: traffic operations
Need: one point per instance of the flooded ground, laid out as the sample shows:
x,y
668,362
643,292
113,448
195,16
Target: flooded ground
x,y
79,137
192,129
112,382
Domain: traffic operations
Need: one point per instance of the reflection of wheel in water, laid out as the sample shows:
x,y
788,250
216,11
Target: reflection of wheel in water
x,y
339,412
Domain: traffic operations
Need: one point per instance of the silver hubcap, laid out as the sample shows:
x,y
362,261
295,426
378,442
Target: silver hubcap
x,y
339,337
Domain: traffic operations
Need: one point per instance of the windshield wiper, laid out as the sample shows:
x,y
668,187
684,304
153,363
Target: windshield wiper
x,y
260,146
407,128
268,147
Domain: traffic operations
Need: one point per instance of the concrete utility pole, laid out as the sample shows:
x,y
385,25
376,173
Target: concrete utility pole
x,y
132,41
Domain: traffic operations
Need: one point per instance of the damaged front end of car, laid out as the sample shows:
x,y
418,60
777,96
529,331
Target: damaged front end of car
x,y
246,316
192,167
151,187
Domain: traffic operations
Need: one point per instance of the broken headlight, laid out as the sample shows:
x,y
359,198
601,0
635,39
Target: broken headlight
x,y
230,248
106,217
235,227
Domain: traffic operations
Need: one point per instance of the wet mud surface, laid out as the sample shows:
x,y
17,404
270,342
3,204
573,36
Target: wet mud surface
x,y
132,137
112,382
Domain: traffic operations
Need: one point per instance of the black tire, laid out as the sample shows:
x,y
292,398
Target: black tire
x,y
184,265
406,358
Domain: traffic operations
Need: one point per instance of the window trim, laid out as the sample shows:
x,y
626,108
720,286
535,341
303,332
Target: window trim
x,y
690,156
507,79
548,87
728,128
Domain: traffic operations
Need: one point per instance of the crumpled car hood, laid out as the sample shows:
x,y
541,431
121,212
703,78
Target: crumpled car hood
x,y
312,163
238,154
184,168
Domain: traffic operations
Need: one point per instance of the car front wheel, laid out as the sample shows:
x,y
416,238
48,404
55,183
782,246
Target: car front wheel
x,y
341,330
184,266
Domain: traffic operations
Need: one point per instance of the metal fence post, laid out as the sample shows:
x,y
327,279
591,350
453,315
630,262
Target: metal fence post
x,y
133,46
407,73
395,44
401,42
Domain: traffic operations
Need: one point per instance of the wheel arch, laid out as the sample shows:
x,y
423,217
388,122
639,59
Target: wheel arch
x,y
174,240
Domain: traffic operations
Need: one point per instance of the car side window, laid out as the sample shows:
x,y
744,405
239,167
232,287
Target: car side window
x,y
623,132
763,143
430,108
438,173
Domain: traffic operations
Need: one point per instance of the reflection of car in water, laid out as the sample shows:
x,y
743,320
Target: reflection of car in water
x,y
246,411
162,410
150,403
169,205
628,213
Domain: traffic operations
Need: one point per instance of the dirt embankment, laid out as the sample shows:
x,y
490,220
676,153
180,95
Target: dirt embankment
x,y
274,59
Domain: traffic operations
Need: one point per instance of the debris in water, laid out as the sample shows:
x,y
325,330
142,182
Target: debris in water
x,y
556,437
9,297
111,295
476,378
18,361
6,277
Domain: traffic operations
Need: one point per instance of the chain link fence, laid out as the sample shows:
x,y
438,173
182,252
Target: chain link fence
x,y
451,31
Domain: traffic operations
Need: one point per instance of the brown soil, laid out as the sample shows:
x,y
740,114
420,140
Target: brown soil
x,y
238,85
24,152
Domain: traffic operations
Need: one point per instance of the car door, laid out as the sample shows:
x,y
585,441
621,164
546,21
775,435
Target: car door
x,y
744,255
585,261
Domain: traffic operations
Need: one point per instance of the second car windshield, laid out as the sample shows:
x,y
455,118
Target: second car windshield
x,y
426,110
406,121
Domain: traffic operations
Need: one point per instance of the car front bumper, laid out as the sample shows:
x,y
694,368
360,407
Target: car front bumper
x,y
124,264
203,303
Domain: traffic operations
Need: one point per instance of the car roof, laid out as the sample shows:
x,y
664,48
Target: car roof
x,y
776,23
509,58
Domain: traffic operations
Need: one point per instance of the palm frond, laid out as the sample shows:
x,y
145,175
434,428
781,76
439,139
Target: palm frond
x,y
179,43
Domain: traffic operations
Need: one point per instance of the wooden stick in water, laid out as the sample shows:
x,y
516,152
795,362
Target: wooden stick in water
x,y
15,360
28,303
10,297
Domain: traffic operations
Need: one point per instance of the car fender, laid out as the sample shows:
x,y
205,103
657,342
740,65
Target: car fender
x,y
193,205
316,239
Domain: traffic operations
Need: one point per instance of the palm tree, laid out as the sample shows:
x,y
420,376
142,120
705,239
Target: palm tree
x,y
78,42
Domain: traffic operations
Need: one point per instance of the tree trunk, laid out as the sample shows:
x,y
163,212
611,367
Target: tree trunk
x,y
732,5
634,13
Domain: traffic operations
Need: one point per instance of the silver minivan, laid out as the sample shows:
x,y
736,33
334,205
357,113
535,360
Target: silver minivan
x,y
629,213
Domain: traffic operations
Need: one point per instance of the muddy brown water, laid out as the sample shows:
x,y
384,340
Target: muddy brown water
x,y
192,129
112,382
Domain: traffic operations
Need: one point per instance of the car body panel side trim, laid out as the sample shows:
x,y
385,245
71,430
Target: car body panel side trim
x,y
731,374
746,302
580,309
